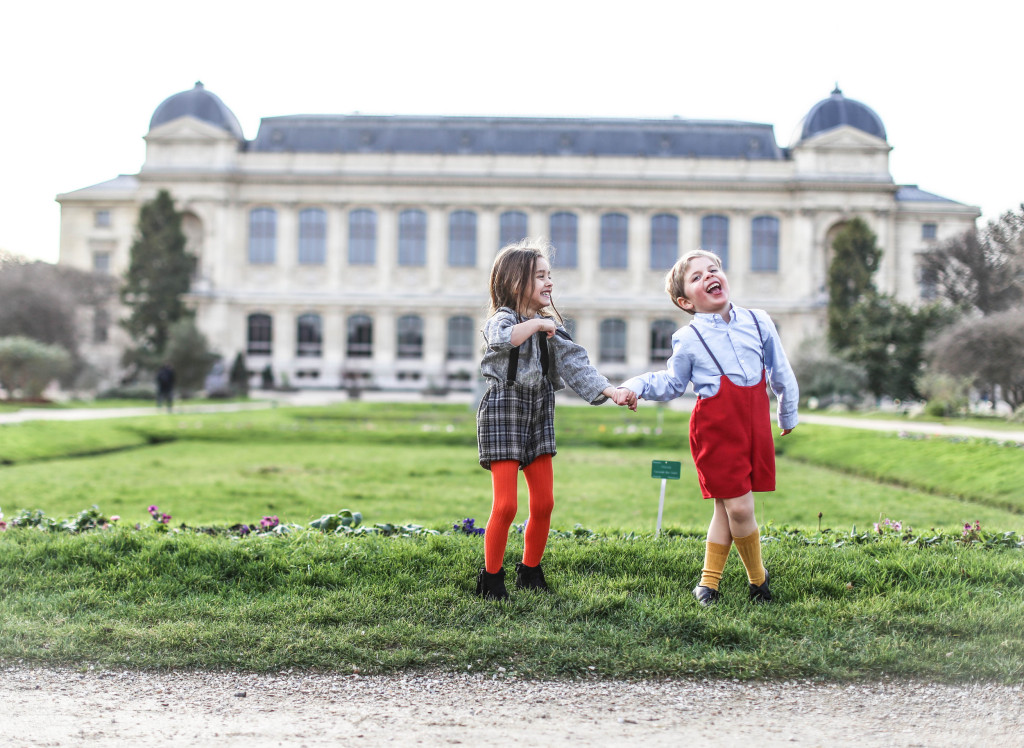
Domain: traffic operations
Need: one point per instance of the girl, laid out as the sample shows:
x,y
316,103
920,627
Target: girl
x,y
528,354
727,353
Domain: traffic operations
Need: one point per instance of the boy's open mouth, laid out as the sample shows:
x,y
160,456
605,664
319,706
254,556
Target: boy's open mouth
x,y
714,287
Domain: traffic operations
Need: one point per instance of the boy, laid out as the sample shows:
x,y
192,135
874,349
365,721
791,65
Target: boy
x,y
725,352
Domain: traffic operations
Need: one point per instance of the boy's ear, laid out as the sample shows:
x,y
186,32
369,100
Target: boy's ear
x,y
684,303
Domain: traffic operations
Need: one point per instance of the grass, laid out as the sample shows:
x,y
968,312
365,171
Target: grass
x,y
621,607
142,599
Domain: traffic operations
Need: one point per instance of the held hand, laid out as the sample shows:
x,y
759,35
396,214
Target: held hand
x,y
785,431
623,396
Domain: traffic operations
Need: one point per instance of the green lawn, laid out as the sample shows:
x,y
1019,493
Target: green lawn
x,y
407,463
849,603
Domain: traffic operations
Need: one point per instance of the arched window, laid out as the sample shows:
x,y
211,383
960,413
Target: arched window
x,y
764,244
714,237
260,336
412,238
312,237
460,338
262,236
192,228
462,239
664,241
613,340
511,228
362,237
614,241
410,336
310,337
360,337
564,238
661,340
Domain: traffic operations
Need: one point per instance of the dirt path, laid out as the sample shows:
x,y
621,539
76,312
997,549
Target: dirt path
x,y
63,707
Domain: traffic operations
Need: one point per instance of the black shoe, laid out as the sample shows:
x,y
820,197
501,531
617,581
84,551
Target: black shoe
x,y
706,596
530,577
491,586
759,593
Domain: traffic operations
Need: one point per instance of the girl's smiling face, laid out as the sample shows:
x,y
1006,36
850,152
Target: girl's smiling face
x,y
540,287
706,288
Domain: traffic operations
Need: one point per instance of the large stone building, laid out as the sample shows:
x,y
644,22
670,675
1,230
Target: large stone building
x,y
350,248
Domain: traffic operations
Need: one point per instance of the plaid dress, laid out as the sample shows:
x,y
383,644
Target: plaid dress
x,y
516,417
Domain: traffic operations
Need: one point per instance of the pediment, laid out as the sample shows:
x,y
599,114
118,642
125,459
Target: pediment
x,y
845,138
188,128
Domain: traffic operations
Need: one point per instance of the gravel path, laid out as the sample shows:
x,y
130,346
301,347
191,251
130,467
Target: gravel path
x,y
64,707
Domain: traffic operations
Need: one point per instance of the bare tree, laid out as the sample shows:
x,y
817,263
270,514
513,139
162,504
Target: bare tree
x,y
983,269
39,300
988,350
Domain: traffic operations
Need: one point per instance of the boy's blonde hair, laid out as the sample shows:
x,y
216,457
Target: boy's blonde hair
x,y
675,280
512,275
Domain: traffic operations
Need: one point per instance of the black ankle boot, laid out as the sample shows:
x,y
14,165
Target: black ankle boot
x,y
530,577
491,586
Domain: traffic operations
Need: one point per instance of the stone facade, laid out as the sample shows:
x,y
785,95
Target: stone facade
x,y
351,249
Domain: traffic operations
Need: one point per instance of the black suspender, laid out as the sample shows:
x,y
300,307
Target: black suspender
x,y
704,343
513,357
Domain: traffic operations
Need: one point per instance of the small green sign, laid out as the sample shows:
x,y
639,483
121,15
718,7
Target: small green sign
x,y
665,469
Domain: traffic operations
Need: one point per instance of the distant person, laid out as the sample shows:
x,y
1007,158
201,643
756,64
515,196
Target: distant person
x,y
165,386
725,352
528,355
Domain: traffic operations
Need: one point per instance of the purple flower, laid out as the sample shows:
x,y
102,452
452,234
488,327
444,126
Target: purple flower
x,y
269,523
165,518
243,530
153,510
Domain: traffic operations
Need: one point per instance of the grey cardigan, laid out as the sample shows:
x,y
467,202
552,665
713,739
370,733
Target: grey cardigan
x,y
567,360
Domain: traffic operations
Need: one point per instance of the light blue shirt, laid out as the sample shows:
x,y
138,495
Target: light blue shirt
x,y
737,348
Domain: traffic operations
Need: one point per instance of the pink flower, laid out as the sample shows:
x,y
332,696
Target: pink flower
x,y
115,517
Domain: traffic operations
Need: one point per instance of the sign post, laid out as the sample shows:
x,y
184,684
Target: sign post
x,y
667,471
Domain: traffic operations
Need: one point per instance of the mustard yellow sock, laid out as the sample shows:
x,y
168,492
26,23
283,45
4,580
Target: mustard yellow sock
x,y
749,549
715,556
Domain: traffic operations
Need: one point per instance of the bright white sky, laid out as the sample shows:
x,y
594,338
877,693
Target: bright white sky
x,y
80,80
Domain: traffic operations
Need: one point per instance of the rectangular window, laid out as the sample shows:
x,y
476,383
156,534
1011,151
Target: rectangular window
x,y
764,245
312,237
564,238
101,262
664,241
262,236
512,228
362,237
714,237
412,238
462,239
101,219
100,326
929,230
614,241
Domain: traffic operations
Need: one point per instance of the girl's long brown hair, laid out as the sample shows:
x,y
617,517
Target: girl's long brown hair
x,y
512,276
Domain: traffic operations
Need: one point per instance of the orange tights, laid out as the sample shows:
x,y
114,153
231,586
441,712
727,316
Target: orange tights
x,y
505,478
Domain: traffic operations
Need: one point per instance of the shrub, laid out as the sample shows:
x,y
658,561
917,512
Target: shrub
x,y
28,366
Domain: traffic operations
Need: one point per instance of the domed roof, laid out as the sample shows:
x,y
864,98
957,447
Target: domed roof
x,y
199,103
837,110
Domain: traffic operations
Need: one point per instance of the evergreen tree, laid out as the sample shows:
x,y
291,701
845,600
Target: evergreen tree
x,y
854,262
239,376
159,274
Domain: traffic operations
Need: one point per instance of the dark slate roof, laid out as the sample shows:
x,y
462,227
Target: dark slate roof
x,y
199,103
838,110
516,135
911,193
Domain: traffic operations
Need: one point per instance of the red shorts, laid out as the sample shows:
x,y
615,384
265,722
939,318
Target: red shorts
x,y
731,441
